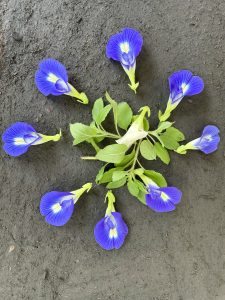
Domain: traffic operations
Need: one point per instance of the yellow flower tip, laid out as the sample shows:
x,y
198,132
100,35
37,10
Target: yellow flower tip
x,y
181,149
87,186
57,136
80,97
134,86
144,110
83,98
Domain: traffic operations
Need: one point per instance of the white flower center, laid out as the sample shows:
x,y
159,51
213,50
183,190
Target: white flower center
x,y
56,208
125,47
113,233
52,78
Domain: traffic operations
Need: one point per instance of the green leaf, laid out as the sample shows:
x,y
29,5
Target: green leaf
x,y
117,184
117,175
82,132
97,108
171,138
114,105
169,143
96,139
103,114
178,135
100,174
147,150
133,188
141,186
127,158
156,177
124,115
162,153
163,125
141,197
112,153
107,176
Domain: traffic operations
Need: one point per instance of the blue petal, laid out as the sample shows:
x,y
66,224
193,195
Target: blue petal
x,y
209,140
173,193
122,230
128,39
163,199
51,68
15,151
158,205
102,231
183,83
194,87
22,131
210,130
57,207
210,147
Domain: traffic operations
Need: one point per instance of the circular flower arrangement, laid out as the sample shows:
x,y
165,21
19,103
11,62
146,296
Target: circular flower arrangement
x,y
132,138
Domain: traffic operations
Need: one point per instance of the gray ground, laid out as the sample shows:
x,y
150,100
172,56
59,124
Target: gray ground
x,y
176,256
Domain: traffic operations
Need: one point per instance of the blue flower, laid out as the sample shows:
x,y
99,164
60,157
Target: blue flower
x,y
162,199
51,78
57,207
124,47
111,231
182,83
20,136
207,143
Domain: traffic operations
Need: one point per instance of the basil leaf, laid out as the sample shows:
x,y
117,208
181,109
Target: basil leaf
x,y
100,174
133,188
97,108
162,153
116,184
113,103
124,115
156,177
171,138
141,197
163,125
112,153
103,114
82,132
147,150
127,158
117,175
141,186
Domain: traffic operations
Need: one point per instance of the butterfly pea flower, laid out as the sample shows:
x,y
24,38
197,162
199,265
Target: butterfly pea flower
x,y
136,131
161,199
111,231
124,47
207,143
20,136
51,78
57,207
182,83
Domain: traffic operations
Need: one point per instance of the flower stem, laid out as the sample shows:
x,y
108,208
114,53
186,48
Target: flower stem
x,y
94,145
136,156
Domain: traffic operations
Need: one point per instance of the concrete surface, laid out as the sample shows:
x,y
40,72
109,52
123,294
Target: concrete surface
x,y
176,256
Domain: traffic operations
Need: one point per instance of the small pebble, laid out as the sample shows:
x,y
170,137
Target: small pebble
x,y
11,248
17,36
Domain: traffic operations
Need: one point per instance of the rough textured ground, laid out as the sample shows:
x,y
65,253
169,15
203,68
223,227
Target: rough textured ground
x,y
176,256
